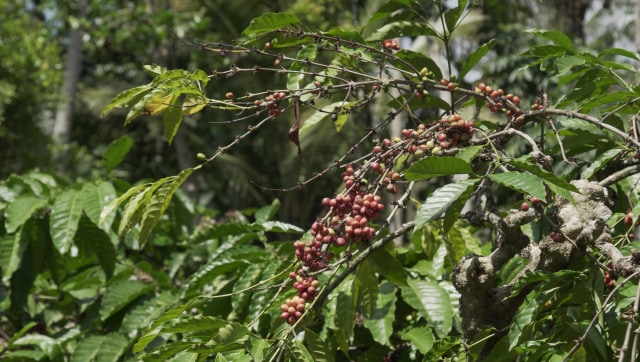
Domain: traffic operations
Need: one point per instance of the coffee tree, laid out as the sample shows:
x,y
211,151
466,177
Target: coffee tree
x,y
521,244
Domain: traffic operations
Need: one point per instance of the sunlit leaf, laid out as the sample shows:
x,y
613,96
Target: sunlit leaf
x,y
521,182
437,166
269,22
431,301
440,200
65,215
421,337
20,210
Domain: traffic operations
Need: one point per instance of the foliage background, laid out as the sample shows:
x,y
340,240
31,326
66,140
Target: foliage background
x,y
66,298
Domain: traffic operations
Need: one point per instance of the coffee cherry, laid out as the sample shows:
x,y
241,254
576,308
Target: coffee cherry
x,y
535,201
524,206
628,219
557,237
229,95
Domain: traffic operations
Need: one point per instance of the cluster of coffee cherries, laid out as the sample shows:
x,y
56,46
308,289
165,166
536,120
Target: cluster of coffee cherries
x,y
347,220
499,101
609,280
449,84
390,44
272,103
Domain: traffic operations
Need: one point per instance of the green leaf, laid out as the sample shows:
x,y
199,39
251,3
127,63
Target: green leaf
x,y
127,98
318,116
344,320
12,248
402,28
153,331
380,323
229,333
469,153
620,52
172,118
414,61
269,22
453,212
308,52
522,327
120,294
206,273
20,210
437,166
387,9
158,205
107,213
388,266
521,182
556,37
473,58
105,348
440,200
99,242
451,16
135,204
277,227
65,214
319,349
600,162
138,107
431,301
299,352
420,337
144,312
545,175
241,297
192,324
115,152
96,198
266,213
366,286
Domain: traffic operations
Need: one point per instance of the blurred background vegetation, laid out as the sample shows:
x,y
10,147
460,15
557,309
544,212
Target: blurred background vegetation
x,y
63,61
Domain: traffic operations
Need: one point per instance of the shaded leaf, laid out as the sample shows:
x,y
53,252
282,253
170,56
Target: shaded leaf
x,y
172,118
555,36
401,28
414,62
366,286
319,349
380,323
388,266
207,272
99,241
109,347
472,59
120,294
115,152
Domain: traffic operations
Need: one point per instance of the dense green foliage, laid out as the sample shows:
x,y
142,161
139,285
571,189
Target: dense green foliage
x,y
494,226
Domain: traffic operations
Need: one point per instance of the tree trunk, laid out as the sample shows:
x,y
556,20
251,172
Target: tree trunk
x,y
73,68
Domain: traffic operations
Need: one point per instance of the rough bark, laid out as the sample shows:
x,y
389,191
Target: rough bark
x,y
582,222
